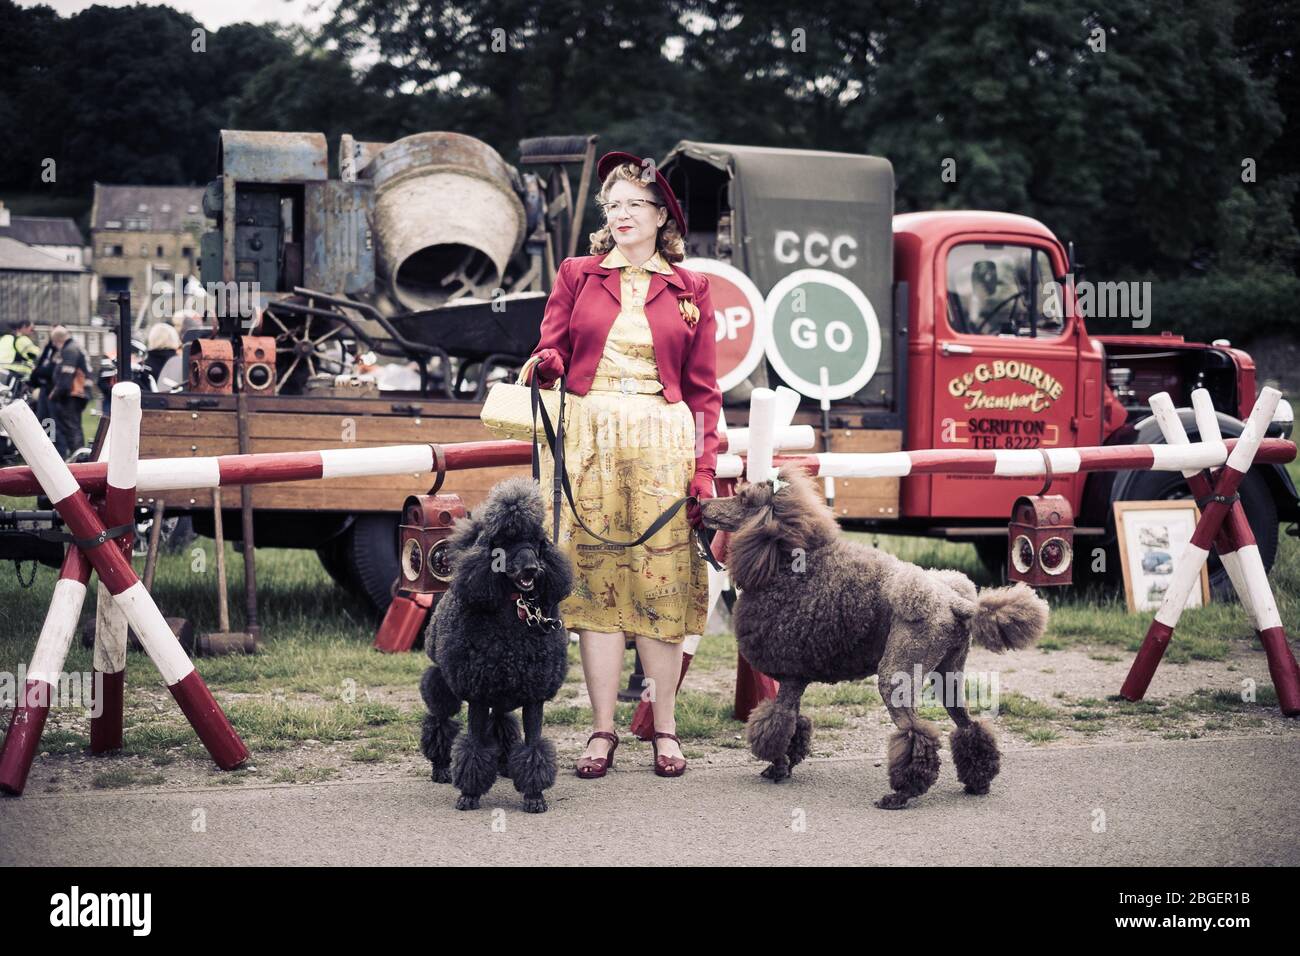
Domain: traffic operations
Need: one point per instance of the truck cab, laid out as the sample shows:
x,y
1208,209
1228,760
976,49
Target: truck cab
x,y
999,356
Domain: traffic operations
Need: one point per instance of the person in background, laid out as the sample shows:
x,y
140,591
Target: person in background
x,y
18,350
163,343
43,379
106,374
68,396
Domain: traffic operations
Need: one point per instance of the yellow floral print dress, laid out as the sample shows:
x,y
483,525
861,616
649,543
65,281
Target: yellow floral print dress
x,y
629,454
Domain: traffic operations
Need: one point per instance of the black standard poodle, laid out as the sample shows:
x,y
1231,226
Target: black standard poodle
x,y
816,606
497,643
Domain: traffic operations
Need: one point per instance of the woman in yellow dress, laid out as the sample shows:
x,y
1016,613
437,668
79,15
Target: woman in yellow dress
x,y
631,448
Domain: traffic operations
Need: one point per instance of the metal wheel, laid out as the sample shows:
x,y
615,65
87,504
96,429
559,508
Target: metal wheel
x,y
300,353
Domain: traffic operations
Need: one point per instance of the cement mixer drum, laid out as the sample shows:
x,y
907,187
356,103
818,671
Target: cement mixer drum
x,y
447,218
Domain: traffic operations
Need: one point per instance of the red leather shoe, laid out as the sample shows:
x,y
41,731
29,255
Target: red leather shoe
x,y
589,768
668,766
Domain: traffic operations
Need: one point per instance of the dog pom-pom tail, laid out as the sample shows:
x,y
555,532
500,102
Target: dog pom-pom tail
x,y
1009,619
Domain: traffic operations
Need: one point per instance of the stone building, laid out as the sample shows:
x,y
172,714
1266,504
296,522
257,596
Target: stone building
x,y
55,236
142,236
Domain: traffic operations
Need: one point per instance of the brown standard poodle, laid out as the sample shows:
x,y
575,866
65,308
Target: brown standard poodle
x,y
815,606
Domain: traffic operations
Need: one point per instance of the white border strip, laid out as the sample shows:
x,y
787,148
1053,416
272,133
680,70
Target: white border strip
x,y
1026,462
1262,604
124,427
789,438
155,636
56,633
886,464
369,462
38,451
170,474
1189,459
1187,574
1260,416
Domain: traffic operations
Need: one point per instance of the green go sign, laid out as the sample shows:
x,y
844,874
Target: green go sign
x,y
825,335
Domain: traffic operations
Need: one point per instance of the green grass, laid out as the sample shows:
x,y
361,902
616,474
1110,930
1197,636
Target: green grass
x,y
318,679
117,777
1089,618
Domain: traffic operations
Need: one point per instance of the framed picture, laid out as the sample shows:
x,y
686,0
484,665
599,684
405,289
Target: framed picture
x,y
1153,537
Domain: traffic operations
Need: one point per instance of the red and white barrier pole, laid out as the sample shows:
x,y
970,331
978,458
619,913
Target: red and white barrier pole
x,y
40,687
110,622
1188,571
42,682
1016,463
762,431
55,478
1245,569
1201,482
171,474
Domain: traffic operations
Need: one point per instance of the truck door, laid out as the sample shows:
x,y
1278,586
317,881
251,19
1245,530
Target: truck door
x,y
1005,362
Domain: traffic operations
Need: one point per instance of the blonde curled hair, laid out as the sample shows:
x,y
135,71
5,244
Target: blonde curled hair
x,y
671,246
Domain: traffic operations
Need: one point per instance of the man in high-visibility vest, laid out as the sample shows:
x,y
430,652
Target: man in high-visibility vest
x,y
18,350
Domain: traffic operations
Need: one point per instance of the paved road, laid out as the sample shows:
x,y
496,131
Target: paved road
x,y
1212,802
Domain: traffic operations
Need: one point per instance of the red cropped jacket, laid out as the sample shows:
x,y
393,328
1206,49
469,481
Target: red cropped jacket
x,y
581,310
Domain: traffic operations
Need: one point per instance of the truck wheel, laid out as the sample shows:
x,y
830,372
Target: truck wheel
x,y
333,559
992,552
370,550
1261,512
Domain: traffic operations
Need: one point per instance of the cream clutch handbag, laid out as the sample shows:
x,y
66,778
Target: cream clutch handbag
x,y
508,410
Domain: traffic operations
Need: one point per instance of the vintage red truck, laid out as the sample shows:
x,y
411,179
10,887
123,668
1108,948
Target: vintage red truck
x,y
961,329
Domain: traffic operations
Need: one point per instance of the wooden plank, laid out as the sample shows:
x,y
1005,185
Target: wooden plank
x,y
325,431
302,424
875,498
390,404
355,494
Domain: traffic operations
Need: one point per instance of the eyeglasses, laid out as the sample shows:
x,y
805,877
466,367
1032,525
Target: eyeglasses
x,y
634,206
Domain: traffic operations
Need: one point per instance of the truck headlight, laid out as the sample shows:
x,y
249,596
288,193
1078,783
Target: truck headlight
x,y
1283,422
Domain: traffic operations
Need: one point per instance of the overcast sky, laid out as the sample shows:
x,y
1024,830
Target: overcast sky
x,y
215,14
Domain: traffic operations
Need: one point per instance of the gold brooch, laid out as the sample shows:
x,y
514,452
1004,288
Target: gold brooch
x,y
690,312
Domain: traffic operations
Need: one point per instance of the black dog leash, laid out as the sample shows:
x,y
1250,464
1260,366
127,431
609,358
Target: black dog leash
x,y
555,439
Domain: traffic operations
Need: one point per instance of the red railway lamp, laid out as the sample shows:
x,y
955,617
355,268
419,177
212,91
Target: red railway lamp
x,y
422,542
1041,540
425,564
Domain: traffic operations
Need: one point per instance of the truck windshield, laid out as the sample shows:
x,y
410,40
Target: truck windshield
x,y
990,291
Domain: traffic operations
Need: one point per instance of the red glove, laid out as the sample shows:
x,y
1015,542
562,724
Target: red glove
x,y
550,368
701,488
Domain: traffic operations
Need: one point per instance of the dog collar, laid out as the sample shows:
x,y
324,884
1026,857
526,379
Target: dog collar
x,y
532,615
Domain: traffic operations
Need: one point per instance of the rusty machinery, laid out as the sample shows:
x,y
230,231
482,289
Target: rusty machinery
x,y
404,254
212,365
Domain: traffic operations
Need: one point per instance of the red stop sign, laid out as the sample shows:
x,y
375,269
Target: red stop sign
x,y
741,317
